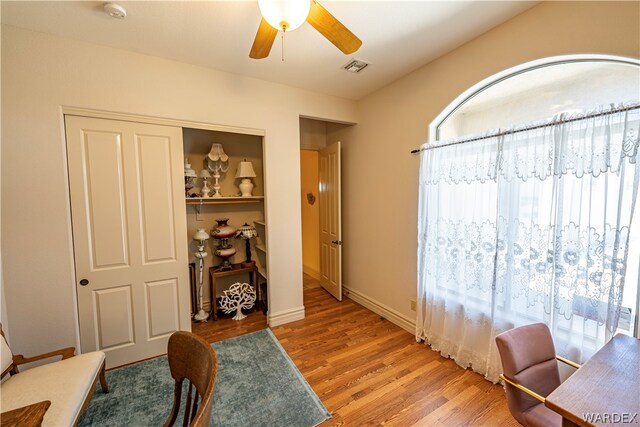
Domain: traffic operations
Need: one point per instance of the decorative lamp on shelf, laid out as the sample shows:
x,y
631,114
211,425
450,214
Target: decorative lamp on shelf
x,y
189,177
224,250
217,162
246,233
201,237
245,172
205,175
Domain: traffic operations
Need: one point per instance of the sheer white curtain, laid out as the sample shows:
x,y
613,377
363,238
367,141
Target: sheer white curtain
x,y
528,227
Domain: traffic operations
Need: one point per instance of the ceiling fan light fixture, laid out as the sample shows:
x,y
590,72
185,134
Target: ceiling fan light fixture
x,y
285,15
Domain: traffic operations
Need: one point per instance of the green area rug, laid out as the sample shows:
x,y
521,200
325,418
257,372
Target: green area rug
x,y
257,385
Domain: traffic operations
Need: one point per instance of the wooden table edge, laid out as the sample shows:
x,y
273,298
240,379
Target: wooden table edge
x,y
566,414
26,416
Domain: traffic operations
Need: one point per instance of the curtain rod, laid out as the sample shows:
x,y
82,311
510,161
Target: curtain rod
x,y
540,126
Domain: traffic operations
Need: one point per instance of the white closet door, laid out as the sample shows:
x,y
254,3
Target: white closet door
x,y
129,231
330,221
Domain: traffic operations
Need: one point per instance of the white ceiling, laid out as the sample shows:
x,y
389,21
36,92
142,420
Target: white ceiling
x,y
398,36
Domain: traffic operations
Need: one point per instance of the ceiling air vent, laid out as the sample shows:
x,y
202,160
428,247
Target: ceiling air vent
x,y
355,66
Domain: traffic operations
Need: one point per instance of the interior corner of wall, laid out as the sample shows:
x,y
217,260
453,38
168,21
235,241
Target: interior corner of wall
x,y
388,313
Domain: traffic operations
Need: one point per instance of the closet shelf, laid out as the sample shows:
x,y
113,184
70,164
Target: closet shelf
x,y
259,222
222,200
261,247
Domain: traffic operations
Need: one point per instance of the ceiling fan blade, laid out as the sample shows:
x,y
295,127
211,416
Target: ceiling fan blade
x,y
264,40
332,29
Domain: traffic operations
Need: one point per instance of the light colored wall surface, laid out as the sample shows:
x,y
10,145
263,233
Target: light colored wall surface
x,y
310,213
41,73
3,301
313,134
380,177
3,318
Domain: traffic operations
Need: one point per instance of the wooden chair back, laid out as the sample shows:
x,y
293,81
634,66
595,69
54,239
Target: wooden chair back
x,y
192,358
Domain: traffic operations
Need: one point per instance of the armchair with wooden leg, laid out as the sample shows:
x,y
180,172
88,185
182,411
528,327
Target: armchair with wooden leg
x,y
530,373
67,385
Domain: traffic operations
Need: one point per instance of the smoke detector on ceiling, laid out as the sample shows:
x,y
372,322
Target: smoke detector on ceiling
x,y
115,10
355,65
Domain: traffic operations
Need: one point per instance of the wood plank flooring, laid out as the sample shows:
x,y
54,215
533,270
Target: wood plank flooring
x,y
369,372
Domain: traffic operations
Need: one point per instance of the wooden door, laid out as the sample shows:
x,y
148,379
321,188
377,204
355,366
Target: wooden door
x,y
330,221
129,232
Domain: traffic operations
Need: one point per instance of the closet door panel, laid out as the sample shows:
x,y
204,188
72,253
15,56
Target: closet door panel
x,y
105,212
156,197
114,317
128,215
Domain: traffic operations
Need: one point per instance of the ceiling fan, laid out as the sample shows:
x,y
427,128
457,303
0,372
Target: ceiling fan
x,y
287,15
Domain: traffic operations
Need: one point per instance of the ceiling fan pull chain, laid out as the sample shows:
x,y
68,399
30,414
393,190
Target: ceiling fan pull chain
x,y
282,44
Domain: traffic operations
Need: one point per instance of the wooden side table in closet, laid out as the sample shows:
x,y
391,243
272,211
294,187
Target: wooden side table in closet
x,y
214,273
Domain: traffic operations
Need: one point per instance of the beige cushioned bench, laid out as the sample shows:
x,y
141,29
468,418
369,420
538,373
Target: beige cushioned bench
x,y
67,383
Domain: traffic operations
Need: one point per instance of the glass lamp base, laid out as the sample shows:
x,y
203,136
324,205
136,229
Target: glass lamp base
x,y
201,316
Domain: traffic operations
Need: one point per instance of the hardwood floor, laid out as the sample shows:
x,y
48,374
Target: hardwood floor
x,y
367,371
225,327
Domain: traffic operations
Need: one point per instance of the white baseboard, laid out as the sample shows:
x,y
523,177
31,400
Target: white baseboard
x,y
311,272
406,323
286,316
275,319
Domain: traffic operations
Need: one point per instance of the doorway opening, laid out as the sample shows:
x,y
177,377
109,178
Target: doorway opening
x,y
235,260
310,211
321,216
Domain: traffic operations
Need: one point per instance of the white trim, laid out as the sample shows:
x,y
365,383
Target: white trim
x,y
112,115
511,72
399,319
70,245
286,316
311,272
324,119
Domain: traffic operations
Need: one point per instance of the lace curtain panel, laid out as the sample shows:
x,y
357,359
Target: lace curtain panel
x,y
532,226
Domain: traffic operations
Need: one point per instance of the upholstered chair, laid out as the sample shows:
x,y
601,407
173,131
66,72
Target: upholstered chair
x,y
64,386
530,373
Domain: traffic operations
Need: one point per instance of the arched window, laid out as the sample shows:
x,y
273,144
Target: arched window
x,y
539,90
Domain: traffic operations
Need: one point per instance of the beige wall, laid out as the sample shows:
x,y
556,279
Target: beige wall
x,y
41,73
313,134
380,186
310,213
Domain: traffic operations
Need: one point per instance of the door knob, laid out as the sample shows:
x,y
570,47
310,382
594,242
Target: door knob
x,y
337,242
84,282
